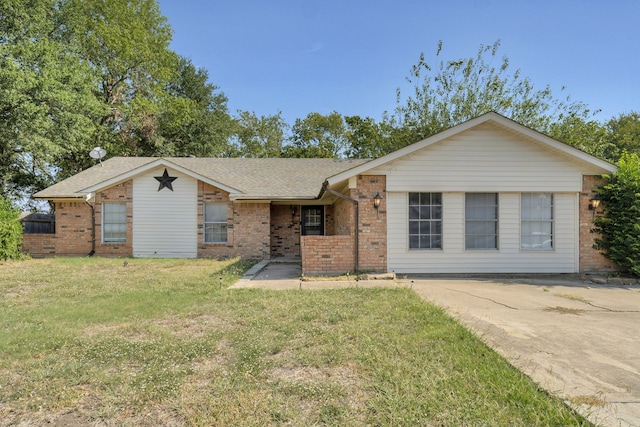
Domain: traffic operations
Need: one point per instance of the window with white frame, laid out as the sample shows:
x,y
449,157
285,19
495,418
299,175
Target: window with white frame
x,y
215,222
425,220
481,221
536,216
114,222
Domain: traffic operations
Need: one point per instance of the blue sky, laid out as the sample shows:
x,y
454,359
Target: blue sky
x,y
347,56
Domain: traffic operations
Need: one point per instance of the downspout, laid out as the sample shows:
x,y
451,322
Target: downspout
x,y
357,230
93,225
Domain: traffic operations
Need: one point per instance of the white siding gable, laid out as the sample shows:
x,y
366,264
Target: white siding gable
x,y
165,221
483,158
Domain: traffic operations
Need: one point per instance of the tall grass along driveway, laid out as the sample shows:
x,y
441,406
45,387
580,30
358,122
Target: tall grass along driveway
x,y
164,342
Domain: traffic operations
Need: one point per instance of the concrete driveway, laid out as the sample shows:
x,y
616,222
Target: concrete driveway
x,y
577,340
580,341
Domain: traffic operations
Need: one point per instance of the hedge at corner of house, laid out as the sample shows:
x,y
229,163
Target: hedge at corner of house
x,y
10,231
619,227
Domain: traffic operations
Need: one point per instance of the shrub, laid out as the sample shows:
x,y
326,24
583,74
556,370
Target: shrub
x,y
10,231
619,227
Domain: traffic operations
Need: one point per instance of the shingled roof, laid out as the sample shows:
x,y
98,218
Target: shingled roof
x,y
250,178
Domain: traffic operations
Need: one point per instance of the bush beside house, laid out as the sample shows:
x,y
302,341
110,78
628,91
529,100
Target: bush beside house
x,y
10,231
619,227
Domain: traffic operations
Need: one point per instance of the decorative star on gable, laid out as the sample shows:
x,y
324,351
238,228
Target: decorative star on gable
x,y
165,180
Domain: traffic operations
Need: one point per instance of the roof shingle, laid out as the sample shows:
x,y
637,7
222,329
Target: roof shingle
x,y
261,178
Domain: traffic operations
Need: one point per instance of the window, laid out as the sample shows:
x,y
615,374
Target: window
x,y
536,228
114,222
425,220
313,220
215,222
481,221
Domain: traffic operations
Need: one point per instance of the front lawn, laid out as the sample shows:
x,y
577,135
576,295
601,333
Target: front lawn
x,y
164,342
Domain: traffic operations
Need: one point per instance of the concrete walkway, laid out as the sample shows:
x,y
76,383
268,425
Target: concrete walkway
x,y
576,339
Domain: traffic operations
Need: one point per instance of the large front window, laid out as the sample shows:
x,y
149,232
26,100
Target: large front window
x,y
481,221
536,227
215,222
114,222
425,220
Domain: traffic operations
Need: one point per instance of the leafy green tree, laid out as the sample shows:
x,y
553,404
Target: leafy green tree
x,y
317,135
10,231
457,90
47,103
194,118
126,43
259,136
589,136
623,135
619,227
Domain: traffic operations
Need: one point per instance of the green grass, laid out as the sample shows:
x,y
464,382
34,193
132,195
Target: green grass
x,y
164,342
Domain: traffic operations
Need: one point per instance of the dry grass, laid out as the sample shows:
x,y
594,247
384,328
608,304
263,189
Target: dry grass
x,y
164,342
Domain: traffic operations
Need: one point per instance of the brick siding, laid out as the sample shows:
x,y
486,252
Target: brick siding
x,y
590,259
285,231
248,227
327,255
335,254
120,193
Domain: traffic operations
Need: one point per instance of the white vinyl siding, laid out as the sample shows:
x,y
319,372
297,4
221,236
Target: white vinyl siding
x,y
114,222
509,258
483,159
215,222
536,230
165,221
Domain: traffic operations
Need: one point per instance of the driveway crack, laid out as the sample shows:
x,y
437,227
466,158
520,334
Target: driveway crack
x,y
484,298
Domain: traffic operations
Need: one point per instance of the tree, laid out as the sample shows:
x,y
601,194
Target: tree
x,y
619,227
10,231
259,136
589,136
126,43
458,90
47,102
317,136
623,135
79,73
194,118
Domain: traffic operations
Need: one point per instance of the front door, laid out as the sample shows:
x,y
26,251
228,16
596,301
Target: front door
x,y
312,220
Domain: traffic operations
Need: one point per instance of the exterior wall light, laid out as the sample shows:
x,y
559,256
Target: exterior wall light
x,y
594,203
376,202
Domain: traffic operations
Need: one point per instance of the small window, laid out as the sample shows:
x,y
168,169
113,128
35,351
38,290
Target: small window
x,y
481,221
114,222
215,223
536,228
312,221
425,220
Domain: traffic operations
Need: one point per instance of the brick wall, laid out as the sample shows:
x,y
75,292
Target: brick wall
x,y
207,194
327,255
590,259
39,245
285,231
248,227
120,193
373,225
335,254
73,235
251,228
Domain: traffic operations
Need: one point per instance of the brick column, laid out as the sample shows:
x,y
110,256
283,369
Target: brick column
x,y
590,259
